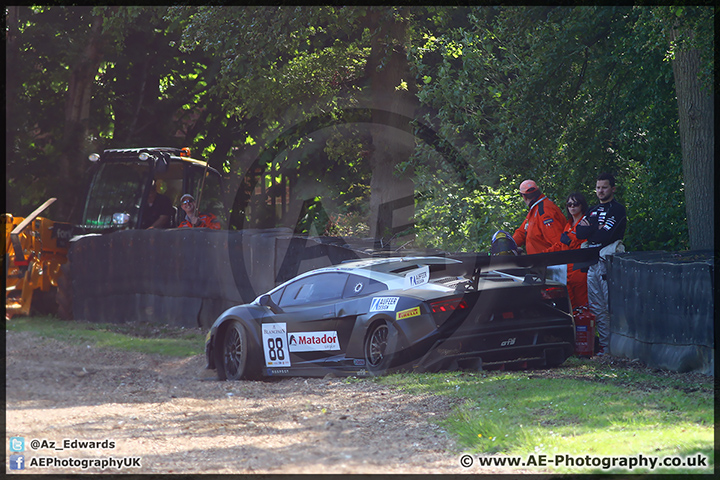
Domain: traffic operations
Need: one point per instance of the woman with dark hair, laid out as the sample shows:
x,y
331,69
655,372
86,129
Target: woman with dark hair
x,y
572,213
575,208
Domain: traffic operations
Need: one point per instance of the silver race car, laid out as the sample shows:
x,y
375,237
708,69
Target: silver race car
x,y
378,315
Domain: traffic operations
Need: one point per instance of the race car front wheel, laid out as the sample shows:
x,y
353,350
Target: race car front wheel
x,y
377,354
237,354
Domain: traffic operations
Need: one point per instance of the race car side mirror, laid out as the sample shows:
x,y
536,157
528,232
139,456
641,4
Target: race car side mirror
x,y
267,301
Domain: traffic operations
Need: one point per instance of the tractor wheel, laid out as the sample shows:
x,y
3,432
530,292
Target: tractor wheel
x,y
44,303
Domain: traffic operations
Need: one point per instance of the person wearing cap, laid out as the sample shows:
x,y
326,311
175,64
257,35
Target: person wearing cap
x,y
543,224
195,219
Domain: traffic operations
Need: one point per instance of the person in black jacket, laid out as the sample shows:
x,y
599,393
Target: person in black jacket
x,y
604,226
158,210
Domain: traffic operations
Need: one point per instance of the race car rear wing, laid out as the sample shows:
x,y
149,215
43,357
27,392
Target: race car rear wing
x,y
475,264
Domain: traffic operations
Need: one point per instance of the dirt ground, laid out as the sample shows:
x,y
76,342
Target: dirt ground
x,y
177,418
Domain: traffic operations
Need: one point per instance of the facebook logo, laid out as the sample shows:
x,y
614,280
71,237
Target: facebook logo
x,y
17,462
17,444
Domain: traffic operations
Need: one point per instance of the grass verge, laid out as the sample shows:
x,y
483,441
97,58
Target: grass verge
x,y
144,338
597,408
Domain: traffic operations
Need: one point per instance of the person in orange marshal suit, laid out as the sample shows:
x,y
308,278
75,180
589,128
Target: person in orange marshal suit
x,y
543,224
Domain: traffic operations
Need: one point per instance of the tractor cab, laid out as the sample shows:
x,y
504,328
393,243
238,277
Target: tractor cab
x,y
119,188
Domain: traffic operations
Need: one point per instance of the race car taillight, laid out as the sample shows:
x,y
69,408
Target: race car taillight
x,y
448,305
550,293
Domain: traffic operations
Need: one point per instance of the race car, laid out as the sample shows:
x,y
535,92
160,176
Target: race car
x,y
378,315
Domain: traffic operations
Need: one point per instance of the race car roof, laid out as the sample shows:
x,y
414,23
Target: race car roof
x,y
397,264
390,270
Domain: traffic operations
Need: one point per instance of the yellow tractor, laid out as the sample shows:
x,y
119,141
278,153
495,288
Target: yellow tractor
x,y
35,250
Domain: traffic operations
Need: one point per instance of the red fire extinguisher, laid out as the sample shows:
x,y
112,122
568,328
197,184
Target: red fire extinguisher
x,y
584,331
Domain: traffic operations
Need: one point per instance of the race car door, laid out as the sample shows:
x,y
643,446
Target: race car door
x,y
306,330
356,298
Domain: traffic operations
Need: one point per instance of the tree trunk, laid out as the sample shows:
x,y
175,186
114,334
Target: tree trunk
x,y
11,78
392,195
77,113
697,138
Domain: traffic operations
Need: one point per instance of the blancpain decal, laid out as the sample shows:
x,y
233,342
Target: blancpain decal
x,y
313,341
417,277
275,345
384,304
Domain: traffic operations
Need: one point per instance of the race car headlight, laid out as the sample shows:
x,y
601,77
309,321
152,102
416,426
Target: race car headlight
x,y
448,305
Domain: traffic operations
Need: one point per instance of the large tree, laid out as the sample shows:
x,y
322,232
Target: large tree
x,y
49,81
554,93
559,94
81,79
283,67
393,109
690,33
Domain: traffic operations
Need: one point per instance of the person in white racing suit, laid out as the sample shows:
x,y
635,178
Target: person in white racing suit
x,y
603,225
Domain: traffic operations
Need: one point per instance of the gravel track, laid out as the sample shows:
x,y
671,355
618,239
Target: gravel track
x,y
177,418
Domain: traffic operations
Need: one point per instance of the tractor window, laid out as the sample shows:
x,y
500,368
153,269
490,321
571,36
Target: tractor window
x,y
170,183
116,189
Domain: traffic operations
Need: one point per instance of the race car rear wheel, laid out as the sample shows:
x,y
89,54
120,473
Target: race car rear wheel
x,y
237,361
376,348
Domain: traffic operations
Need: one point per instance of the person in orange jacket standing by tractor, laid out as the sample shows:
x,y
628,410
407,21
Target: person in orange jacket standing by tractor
x,y
543,224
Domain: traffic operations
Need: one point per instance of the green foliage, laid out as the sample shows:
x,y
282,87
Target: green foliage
x,y
296,74
144,92
560,94
557,94
277,61
42,42
693,28
455,217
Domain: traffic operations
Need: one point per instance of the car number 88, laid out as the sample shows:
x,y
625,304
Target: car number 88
x,y
275,345
275,349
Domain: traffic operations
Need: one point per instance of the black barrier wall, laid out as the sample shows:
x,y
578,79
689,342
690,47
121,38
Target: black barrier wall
x,y
662,309
186,277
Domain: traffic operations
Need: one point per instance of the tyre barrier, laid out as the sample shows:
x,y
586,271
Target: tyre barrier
x,y
187,277
662,309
